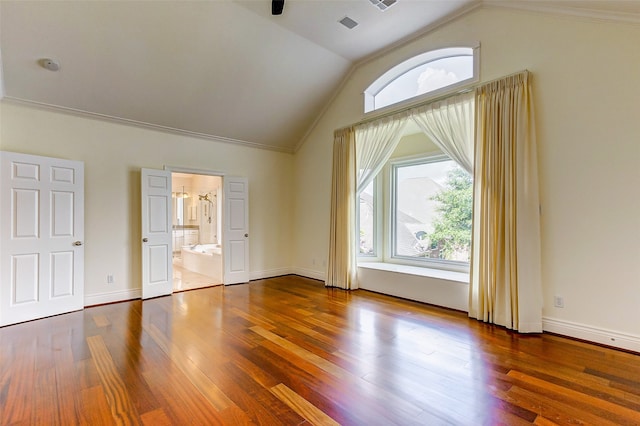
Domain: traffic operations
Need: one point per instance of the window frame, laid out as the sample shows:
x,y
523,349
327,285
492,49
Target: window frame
x,y
385,207
378,235
416,61
390,233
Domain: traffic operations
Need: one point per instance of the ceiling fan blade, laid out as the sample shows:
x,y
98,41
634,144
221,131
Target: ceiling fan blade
x,y
277,6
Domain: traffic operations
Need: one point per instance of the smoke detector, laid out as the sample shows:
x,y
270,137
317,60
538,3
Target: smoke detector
x,y
49,64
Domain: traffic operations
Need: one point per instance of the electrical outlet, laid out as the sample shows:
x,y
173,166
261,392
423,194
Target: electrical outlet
x,y
109,279
558,302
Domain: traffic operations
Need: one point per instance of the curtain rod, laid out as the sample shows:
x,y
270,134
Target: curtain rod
x,y
466,89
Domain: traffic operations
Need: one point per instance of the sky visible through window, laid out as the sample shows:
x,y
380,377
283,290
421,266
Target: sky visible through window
x,y
426,78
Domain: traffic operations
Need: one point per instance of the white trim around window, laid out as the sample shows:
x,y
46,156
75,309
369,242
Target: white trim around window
x,y
413,63
385,202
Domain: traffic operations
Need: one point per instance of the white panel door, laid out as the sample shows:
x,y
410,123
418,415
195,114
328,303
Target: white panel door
x,y
235,241
41,237
157,269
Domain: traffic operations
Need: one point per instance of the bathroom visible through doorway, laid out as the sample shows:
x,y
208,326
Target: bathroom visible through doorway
x,y
196,230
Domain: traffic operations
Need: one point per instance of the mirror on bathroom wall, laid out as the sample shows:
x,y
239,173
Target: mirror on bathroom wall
x,y
196,205
179,207
177,211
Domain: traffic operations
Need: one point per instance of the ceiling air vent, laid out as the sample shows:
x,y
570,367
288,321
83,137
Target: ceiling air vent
x,y
348,22
383,4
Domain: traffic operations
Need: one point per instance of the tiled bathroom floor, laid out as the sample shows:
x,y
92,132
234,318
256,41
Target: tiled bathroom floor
x,y
184,279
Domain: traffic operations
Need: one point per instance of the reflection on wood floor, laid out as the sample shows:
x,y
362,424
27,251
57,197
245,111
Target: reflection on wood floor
x,y
184,279
288,351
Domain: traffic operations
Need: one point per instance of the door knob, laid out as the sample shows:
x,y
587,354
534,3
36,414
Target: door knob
x,y
77,243
144,240
246,235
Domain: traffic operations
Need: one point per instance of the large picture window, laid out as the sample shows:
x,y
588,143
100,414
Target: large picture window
x,y
431,211
425,219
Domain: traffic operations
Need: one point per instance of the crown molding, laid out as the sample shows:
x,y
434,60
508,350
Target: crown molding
x,y
423,32
324,109
142,124
557,8
561,9
356,65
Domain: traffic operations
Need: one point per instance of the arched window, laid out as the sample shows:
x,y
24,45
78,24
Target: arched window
x,y
427,73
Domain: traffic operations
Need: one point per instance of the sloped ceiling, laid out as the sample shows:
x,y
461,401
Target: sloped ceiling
x,y
207,67
225,70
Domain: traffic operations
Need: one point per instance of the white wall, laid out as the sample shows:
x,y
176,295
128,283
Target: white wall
x,y
1,78
586,97
586,92
441,288
113,155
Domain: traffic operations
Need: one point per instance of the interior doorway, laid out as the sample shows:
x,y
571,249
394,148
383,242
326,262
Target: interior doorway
x,y
196,230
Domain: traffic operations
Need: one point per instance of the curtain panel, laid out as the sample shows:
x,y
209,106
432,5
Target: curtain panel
x,y
341,264
375,142
358,156
506,286
450,125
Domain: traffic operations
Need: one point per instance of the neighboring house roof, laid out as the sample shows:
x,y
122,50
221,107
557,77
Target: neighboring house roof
x,y
416,211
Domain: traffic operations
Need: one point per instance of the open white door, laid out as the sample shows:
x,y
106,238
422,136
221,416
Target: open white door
x,y
157,269
41,237
235,235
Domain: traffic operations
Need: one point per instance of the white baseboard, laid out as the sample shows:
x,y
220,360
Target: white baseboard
x,y
111,297
122,295
588,333
309,273
269,273
592,334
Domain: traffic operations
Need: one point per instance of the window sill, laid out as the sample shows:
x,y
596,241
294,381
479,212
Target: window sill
x,y
461,277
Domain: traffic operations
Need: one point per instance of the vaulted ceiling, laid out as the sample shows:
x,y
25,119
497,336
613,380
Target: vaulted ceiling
x,y
226,69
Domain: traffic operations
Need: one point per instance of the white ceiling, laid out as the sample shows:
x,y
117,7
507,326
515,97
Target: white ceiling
x,y
317,20
223,69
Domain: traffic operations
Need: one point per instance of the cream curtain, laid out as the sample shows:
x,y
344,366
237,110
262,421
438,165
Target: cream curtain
x,y
364,149
450,125
506,284
341,265
375,142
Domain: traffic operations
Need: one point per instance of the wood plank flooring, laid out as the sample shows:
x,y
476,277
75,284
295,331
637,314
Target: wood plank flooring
x,y
289,351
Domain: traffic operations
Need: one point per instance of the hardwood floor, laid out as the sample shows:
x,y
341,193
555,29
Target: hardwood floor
x,y
289,351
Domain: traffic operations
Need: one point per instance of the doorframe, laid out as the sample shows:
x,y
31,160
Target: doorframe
x,y
177,169
206,172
